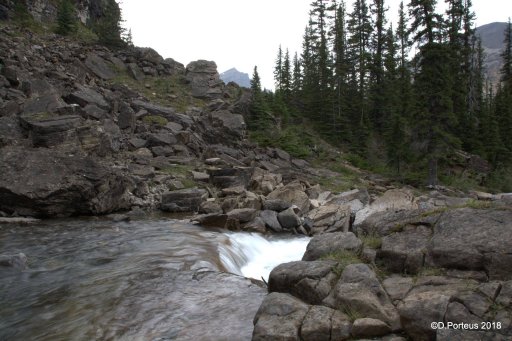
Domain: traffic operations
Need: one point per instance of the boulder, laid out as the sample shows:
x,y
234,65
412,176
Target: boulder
x,y
288,219
397,287
482,242
404,252
276,205
185,200
47,183
99,67
48,130
329,243
242,215
270,220
309,281
419,310
84,96
204,79
279,317
293,193
325,324
392,200
44,104
368,327
330,218
228,124
359,291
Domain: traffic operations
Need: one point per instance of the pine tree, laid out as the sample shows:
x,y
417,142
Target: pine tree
x,y
377,97
404,74
286,77
128,38
278,69
258,119
108,27
433,87
66,18
341,122
506,55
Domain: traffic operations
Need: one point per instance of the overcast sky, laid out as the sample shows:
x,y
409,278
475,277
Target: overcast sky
x,y
242,33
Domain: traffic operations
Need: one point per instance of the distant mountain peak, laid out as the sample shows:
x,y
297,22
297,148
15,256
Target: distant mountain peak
x,y
233,75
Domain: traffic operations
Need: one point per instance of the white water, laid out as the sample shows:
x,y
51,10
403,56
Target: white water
x,y
251,255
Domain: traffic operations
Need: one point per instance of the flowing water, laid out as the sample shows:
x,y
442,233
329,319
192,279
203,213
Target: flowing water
x,y
157,279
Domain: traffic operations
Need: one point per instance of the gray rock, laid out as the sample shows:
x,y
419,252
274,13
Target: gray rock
x,y
126,119
94,112
276,205
368,327
397,287
161,139
84,96
200,176
328,243
505,296
216,219
99,67
185,200
457,313
204,79
392,200
404,252
47,130
43,182
135,72
483,242
270,220
330,218
279,317
243,215
45,104
324,324
229,124
210,207
419,310
288,219
309,281
293,193
359,290
169,113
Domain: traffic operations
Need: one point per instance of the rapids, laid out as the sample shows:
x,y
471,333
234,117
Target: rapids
x,y
157,279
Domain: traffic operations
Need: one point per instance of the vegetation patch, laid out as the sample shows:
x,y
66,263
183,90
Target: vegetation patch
x,y
344,258
352,313
372,241
155,120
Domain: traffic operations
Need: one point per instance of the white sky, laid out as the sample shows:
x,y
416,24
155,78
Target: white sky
x,y
242,33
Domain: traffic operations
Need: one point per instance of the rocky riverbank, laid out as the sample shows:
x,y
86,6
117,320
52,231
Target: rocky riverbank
x,y
85,130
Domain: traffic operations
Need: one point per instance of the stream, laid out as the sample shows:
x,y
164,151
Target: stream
x,y
157,279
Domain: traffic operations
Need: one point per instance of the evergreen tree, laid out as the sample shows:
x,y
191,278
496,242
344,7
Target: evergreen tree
x,y
360,29
506,55
128,38
66,18
286,77
404,74
377,96
258,119
341,122
278,69
108,27
433,87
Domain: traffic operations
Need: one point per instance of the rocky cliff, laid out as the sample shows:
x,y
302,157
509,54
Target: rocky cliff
x,y
46,10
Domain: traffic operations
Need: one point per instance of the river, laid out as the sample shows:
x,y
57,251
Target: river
x,y
157,279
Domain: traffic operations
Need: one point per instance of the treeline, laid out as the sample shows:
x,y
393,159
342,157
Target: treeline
x,y
106,28
406,96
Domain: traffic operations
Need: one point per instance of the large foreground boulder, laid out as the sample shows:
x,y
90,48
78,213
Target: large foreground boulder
x,y
472,239
44,182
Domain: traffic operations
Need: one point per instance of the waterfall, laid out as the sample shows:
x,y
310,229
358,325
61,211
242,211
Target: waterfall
x,y
252,255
